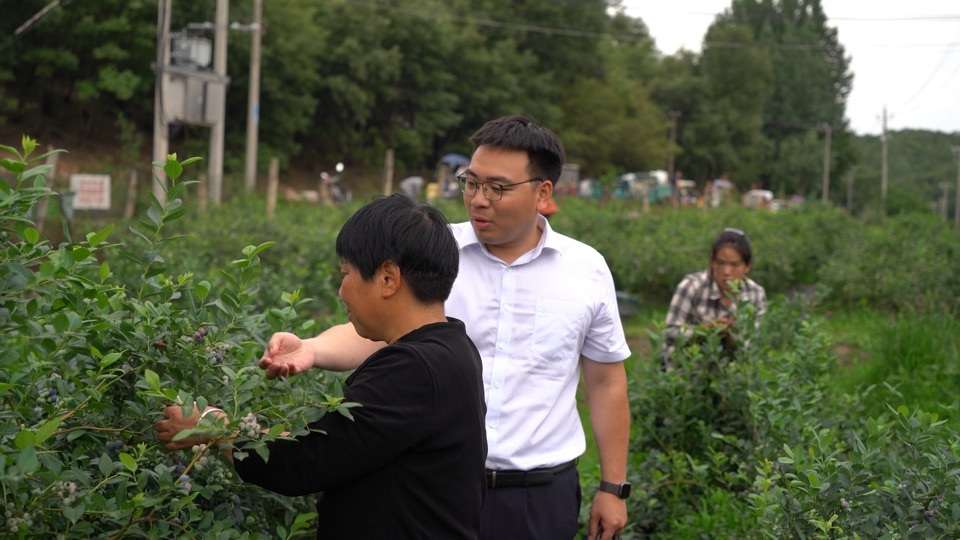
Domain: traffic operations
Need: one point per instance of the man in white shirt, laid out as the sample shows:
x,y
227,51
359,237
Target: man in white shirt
x,y
540,307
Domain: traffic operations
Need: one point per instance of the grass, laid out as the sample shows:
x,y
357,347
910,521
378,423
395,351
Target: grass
x,y
904,359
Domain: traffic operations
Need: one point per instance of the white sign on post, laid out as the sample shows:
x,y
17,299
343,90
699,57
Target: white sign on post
x,y
92,191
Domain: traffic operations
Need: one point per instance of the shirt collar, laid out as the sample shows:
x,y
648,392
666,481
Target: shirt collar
x,y
548,240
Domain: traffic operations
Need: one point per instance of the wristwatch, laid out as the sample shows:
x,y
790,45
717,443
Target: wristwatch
x,y
620,490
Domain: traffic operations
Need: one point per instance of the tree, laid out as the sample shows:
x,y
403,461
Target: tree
x,y
811,77
612,127
104,66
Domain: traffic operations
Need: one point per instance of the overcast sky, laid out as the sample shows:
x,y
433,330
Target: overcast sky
x,y
905,54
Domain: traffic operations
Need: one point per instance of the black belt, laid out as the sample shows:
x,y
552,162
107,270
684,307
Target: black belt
x,y
533,477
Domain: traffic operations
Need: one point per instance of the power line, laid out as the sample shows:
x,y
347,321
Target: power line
x,y
932,75
23,27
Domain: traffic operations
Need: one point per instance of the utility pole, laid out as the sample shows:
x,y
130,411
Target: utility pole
x,y
826,164
956,207
945,186
883,164
219,91
253,102
675,196
161,135
850,175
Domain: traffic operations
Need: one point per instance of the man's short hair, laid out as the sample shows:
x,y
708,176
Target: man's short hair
x,y
516,132
415,236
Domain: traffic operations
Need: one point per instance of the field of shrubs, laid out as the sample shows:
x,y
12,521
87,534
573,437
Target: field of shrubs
x,y
784,440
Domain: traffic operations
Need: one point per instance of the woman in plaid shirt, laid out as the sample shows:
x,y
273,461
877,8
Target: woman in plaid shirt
x,y
709,299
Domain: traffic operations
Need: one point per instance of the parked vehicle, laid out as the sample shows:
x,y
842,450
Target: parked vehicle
x,y
653,185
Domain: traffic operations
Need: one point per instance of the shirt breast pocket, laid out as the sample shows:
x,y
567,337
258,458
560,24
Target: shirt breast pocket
x,y
558,330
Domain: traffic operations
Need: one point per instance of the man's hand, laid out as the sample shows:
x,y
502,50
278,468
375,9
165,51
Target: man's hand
x,y
285,356
608,516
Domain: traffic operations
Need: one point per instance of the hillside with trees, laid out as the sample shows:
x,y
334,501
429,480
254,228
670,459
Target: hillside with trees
x,y
346,80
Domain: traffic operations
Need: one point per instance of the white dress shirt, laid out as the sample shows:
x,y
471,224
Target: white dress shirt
x,y
531,321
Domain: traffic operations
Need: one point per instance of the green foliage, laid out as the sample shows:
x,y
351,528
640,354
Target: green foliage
x,y
613,128
651,252
810,81
90,357
344,81
908,262
918,163
913,360
763,445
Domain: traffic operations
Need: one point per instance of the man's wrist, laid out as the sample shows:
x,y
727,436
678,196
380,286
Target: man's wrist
x,y
621,490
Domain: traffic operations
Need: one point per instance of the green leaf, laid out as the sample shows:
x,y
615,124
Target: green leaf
x,y
74,513
24,439
174,214
140,234
15,167
79,254
32,235
37,172
154,216
104,271
27,462
97,238
173,168
47,429
105,465
152,379
202,289
67,321
109,359
128,461
251,251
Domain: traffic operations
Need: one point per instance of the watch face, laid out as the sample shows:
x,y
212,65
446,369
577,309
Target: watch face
x,y
620,490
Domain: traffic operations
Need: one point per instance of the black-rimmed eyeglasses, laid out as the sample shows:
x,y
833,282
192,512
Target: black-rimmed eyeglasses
x,y
492,191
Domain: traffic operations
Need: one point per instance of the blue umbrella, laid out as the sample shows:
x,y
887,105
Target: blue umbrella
x,y
455,160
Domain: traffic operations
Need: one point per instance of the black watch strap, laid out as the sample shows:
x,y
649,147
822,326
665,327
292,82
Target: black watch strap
x,y
620,490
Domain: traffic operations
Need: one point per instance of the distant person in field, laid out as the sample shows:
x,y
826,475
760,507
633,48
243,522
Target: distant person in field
x,y
411,186
709,299
410,464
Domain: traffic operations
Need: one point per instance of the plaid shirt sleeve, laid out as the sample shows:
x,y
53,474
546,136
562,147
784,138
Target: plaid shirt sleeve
x,y
754,294
681,314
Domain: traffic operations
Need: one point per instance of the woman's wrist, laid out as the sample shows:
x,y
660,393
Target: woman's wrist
x,y
209,411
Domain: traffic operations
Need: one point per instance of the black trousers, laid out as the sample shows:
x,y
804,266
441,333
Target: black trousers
x,y
549,512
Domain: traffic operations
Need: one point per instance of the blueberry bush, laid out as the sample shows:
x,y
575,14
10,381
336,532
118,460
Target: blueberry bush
x,y
760,445
90,356
100,332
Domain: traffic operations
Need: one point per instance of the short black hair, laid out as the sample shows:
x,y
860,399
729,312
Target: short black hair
x,y
415,236
516,132
736,239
